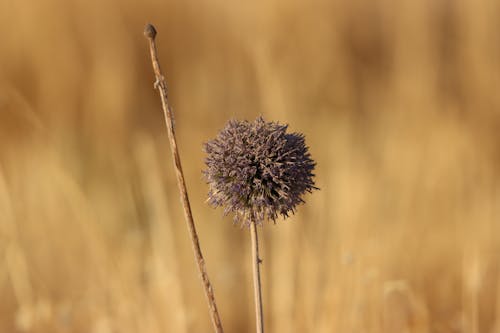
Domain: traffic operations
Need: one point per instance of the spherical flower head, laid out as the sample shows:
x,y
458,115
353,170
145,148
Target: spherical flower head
x,y
257,170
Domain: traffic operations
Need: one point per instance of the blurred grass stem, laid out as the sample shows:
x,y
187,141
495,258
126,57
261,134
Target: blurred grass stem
x,y
161,85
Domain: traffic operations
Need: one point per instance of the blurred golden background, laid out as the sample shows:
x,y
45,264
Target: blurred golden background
x,y
400,106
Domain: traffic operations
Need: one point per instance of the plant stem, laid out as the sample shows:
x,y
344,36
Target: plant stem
x,y
161,85
257,288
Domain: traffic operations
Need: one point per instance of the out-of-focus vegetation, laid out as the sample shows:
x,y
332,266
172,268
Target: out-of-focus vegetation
x,y
400,105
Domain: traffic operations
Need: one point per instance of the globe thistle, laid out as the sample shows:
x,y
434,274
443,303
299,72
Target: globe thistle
x,y
257,170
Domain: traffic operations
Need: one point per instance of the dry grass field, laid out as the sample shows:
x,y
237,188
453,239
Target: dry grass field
x,y
400,105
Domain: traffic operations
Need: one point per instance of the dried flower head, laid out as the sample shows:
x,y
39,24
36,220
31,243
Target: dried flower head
x,y
256,170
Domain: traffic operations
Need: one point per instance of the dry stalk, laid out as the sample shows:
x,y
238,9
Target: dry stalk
x,y
257,288
161,85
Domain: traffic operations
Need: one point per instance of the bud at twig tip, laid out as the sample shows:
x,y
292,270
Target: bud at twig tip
x,y
150,31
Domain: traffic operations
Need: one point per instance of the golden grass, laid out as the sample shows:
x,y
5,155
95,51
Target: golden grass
x,y
400,106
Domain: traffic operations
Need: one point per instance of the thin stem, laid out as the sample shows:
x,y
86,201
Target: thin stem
x,y
161,85
257,288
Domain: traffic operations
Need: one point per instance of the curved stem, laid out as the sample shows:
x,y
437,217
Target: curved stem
x,y
259,318
161,85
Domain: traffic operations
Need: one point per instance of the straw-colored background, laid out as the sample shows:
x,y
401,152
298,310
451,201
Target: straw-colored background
x,y
400,105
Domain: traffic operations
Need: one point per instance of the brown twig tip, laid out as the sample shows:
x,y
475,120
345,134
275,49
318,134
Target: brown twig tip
x,y
149,31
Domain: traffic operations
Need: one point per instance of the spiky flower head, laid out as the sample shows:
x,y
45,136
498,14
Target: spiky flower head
x,y
257,170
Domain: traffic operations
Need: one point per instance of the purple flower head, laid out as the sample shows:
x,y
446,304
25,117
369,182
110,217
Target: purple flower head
x,y
257,170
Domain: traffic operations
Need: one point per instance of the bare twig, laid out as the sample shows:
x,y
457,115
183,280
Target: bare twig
x,y
259,318
161,85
